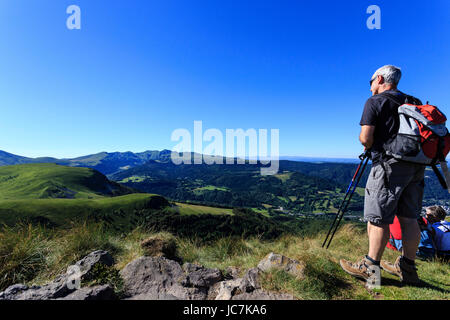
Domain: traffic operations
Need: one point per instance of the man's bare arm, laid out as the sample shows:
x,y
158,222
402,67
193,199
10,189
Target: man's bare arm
x,y
366,136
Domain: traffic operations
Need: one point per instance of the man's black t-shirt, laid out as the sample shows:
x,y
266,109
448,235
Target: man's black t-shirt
x,y
382,112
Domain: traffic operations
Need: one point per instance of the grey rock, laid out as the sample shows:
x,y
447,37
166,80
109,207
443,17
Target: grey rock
x,y
103,292
88,262
199,276
232,273
12,291
158,278
278,261
250,281
61,285
226,290
152,296
57,288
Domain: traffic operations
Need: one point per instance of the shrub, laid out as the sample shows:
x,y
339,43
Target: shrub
x,y
23,251
102,274
75,243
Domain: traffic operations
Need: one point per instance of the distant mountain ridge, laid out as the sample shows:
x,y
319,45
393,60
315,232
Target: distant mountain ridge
x,y
320,159
105,162
112,162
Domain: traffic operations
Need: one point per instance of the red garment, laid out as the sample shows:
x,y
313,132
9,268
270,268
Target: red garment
x,y
395,229
396,232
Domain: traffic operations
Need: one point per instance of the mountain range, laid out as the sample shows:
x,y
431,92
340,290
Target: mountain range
x,y
111,162
230,185
105,162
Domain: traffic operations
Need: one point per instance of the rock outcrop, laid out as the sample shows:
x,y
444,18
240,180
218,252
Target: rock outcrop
x,y
160,278
278,261
65,284
103,292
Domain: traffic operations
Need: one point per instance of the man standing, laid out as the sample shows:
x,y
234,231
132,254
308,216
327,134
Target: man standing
x,y
393,187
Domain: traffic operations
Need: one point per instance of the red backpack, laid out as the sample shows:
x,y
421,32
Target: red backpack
x,y
422,136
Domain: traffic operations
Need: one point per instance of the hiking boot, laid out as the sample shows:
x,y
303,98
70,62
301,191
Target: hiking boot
x,y
406,272
365,270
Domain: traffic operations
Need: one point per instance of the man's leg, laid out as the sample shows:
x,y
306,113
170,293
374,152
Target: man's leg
x,y
378,212
409,208
378,239
404,266
369,267
410,237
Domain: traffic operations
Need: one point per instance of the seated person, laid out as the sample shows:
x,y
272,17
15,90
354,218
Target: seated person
x,y
441,235
430,232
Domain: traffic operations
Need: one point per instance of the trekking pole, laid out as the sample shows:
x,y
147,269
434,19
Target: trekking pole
x,y
348,202
340,207
350,191
345,197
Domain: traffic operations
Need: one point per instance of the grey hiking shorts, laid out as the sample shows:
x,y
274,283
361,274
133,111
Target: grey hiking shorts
x,y
396,189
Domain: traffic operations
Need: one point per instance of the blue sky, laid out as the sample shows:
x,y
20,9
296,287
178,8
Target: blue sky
x,y
137,70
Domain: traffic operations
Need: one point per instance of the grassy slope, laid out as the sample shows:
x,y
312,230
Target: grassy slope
x,y
36,256
45,180
61,211
188,209
324,277
56,195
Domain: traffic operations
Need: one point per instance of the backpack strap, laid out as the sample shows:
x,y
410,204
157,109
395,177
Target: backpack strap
x,y
439,176
443,180
448,229
399,100
446,174
396,99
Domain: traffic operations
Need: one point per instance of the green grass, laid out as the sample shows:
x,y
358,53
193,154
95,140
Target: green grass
x,y
32,254
46,180
133,179
189,209
61,211
56,195
65,230
324,277
36,254
284,176
264,212
286,200
210,188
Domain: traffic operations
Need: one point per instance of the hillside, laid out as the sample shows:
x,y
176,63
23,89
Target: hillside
x,y
342,173
300,187
237,186
56,196
12,159
59,196
43,181
129,168
41,255
40,234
